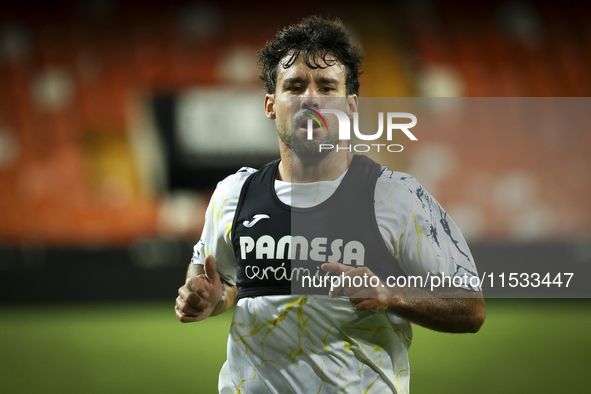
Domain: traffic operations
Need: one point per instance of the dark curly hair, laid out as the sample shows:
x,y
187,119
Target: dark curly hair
x,y
317,38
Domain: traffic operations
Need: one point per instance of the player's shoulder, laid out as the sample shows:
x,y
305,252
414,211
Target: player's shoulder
x,y
231,185
238,177
400,185
391,179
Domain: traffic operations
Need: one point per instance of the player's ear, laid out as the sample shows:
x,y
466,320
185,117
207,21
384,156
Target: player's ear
x,y
351,105
270,106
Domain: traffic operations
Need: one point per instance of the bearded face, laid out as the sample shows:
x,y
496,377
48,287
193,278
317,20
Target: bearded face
x,y
295,134
301,92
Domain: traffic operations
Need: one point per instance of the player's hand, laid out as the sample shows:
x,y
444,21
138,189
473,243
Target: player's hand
x,y
364,297
200,294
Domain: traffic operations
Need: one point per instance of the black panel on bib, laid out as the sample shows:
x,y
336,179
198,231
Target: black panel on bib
x,y
276,245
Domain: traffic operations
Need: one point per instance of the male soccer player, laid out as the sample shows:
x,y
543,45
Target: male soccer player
x,y
332,209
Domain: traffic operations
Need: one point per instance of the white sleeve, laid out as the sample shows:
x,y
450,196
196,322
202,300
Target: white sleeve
x,y
420,234
216,237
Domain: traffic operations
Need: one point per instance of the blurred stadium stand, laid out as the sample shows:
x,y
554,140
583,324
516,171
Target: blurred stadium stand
x,y
88,175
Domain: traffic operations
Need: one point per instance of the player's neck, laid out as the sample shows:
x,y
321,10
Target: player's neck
x,y
293,169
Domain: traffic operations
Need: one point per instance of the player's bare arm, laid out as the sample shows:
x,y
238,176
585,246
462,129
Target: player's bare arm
x,y
204,293
456,313
455,310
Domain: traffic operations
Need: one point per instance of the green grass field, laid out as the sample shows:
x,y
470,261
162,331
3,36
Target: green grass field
x,y
525,346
